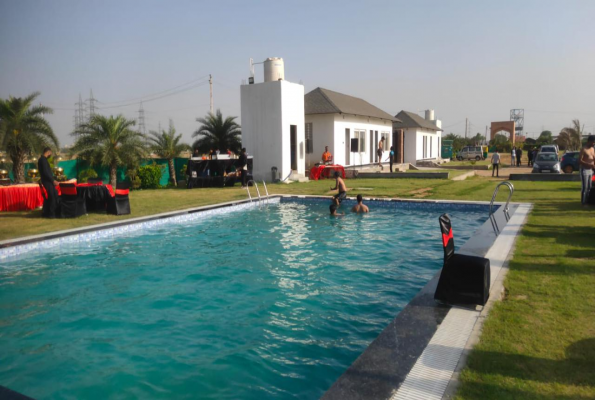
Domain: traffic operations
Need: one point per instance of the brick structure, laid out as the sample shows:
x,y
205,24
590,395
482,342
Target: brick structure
x,y
507,126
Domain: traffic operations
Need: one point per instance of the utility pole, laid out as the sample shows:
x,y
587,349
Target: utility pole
x,y
141,119
466,125
211,91
485,138
91,106
79,114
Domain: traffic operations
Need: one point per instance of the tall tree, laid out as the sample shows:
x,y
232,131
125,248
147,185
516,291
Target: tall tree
x,y
545,137
167,144
217,133
24,131
109,141
571,137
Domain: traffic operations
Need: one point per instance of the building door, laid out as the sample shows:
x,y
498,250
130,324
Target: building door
x,y
371,147
293,144
375,148
347,144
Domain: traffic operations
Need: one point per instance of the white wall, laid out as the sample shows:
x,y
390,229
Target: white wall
x,y
323,128
354,123
292,108
413,146
329,130
268,110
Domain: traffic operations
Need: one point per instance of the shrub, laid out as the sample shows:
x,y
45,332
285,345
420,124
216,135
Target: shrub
x,y
84,175
150,175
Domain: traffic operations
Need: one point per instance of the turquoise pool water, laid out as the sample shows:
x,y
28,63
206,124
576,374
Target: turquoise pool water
x,y
273,303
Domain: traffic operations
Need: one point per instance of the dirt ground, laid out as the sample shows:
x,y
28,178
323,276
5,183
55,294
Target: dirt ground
x,y
504,173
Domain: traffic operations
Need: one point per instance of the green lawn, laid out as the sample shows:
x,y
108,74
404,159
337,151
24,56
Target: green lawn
x,y
538,343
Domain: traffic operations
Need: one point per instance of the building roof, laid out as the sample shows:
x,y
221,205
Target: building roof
x,y
410,119
324,101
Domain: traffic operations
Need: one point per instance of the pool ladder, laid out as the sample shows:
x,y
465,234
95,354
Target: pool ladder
x,y
506,214
260,200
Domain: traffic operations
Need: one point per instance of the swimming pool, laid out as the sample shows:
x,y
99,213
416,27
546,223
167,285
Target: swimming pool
x,y
263,303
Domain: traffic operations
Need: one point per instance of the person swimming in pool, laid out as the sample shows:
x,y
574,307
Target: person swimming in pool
x,y
340,185
360,207
334,213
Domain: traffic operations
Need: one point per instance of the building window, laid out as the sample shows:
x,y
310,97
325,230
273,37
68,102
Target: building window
x,y
361,136
309,140
425,146
384,135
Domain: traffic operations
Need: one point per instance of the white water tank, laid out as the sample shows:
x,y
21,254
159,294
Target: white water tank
x,y
429,115
274,69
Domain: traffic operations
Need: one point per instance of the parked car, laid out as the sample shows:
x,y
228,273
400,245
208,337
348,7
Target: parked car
x,y
470,153
549,148
569,162
546,163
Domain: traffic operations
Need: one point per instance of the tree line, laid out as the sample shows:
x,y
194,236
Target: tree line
x,y
569,138
108,141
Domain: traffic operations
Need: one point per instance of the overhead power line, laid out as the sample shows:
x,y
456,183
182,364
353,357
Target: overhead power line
x,y
158,97
143,98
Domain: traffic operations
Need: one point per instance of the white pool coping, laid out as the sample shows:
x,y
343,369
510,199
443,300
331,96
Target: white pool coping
x,y
432,373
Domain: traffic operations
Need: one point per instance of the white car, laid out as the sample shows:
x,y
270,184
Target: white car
x,y
549,148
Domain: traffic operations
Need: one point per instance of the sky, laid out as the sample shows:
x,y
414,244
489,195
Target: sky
x,y
464,59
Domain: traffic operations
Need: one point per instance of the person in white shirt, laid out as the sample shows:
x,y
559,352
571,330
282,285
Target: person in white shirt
x,y
496,164
513,157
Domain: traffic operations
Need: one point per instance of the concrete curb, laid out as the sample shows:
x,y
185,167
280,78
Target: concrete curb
x,y
498,288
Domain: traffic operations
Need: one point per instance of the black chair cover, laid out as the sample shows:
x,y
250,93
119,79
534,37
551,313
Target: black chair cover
x,y
71,204
119,204
464,279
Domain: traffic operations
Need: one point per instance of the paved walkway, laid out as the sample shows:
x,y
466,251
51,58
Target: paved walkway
x,y
504,173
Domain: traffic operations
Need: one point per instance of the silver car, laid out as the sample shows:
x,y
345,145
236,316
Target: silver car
x,y
470,153
546,163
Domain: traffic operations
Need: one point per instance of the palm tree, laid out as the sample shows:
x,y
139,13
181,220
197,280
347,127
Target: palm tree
x,y
167,145
24,131
571,137
218,134
109,141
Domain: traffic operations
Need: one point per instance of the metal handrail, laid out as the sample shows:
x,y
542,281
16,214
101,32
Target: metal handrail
x,y
249,195
266,190
511,189
258,193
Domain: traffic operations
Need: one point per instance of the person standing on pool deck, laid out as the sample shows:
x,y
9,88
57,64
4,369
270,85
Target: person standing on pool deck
x,y
379,152
243,164
496,163
360,207
519,155
49,183
586,162
391,157
513,157
340,185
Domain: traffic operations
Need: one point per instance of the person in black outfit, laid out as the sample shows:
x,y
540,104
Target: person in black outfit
x,y
391,157
519,155
49,183
243,164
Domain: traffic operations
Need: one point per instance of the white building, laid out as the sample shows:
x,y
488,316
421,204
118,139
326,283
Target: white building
x,y
422,137
273,124
349,126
